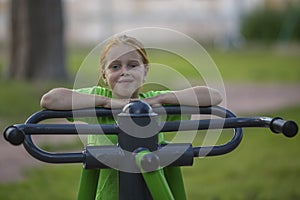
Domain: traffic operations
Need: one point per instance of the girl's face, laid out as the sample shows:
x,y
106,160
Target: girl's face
x,y
124,71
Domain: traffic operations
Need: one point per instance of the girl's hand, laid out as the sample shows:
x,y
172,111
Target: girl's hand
x,y
154,101
120,103
115,103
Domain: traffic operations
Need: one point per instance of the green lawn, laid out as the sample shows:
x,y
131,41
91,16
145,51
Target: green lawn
x,y
50,182
246,65
265,166
258,65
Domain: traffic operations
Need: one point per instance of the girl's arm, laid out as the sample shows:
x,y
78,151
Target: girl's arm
x,y
194,96
67,99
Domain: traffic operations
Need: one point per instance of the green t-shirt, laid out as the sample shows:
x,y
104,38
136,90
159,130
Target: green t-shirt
x,y
107,186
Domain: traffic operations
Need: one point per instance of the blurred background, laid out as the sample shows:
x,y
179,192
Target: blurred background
x,y
254,43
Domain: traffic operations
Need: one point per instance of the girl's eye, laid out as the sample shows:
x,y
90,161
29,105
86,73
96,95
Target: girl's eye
x,y
132,66
114,67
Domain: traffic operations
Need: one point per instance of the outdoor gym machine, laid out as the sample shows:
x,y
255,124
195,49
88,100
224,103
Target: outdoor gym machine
x,y
138,156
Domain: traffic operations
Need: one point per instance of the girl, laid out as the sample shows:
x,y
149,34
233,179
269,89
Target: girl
x,y
124,68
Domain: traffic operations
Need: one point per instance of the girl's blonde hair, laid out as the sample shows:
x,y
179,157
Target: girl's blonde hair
x,y
127,40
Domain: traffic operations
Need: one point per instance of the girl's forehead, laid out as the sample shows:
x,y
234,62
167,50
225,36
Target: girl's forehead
x,y
122,52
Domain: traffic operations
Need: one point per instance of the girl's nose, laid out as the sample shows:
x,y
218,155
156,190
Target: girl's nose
x,y
124,70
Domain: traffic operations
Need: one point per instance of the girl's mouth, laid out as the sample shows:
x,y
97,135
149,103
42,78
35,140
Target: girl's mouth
x,y
125,81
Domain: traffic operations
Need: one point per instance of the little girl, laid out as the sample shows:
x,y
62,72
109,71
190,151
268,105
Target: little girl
x,y
124,68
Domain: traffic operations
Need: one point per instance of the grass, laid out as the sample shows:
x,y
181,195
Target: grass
x,y
265,66
49,182
246,65
19,99
264,166
258,65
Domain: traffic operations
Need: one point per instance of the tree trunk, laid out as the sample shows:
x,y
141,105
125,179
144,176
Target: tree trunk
x,y
37,41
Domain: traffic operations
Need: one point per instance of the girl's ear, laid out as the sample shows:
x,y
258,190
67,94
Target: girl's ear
x,y
104,77
146,70
145,73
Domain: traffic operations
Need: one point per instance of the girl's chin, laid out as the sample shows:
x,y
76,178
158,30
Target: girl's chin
x,y
125,93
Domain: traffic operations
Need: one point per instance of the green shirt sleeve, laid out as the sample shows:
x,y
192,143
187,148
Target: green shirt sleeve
x,y
95,90
92,90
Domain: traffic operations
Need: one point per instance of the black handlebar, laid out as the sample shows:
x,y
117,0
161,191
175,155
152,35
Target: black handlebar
x,y
288,128
21,133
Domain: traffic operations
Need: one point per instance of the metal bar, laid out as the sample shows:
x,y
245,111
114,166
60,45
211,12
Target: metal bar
x,y
221,149
205,124
52,114
74,129
105,112
44,156
67,129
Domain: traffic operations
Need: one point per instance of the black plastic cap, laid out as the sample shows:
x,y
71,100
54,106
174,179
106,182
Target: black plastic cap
x,y
13,135
137,108
290,129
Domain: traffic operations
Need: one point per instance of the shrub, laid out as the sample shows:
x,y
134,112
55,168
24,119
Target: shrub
x,y
267,25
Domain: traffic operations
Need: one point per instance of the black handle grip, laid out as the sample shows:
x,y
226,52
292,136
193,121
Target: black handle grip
x,y
288,128
13,135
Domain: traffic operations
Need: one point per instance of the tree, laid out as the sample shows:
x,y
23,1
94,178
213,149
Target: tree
x,y
36,43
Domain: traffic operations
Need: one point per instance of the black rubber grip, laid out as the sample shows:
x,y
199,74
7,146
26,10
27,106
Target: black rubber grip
x,y
288,128
13,135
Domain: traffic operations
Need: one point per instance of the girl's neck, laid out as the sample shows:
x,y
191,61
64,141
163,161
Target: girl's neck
x,y
133,96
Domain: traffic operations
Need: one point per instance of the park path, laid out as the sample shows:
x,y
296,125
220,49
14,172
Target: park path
x,y
241,99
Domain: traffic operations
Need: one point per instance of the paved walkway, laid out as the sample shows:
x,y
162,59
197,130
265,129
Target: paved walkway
x,y
241,99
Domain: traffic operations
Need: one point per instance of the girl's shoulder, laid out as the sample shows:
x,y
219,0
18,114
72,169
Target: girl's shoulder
x,y
98,90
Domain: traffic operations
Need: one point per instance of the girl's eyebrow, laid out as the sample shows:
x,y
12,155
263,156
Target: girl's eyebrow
x,y
119,61
134,60
114,61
